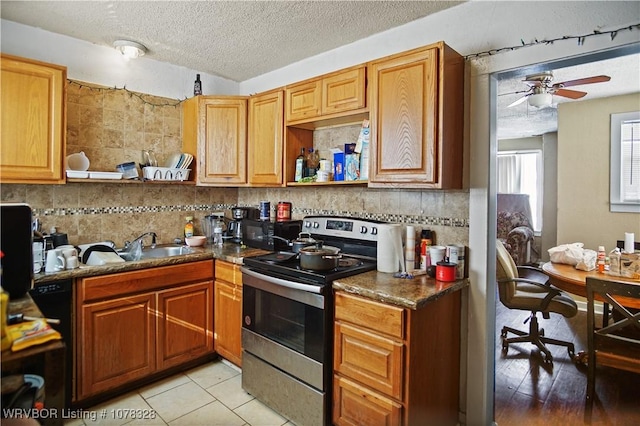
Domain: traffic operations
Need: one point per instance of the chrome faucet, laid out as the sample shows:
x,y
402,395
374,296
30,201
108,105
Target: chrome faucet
x,y
139,240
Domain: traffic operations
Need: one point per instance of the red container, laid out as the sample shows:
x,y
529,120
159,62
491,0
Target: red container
x,y
283,211
445,271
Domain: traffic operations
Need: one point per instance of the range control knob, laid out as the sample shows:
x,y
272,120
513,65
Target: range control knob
x,y
374,231
363,229
307,224
316,225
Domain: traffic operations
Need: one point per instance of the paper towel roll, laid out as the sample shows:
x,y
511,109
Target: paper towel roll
x,y
389,247
629,242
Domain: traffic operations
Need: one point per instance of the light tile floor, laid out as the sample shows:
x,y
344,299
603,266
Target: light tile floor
x,y
207,395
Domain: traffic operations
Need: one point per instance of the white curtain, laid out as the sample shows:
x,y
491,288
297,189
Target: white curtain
x,y
521,173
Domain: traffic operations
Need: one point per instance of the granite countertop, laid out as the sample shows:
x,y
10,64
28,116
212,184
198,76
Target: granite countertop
x,y
413,293
229,252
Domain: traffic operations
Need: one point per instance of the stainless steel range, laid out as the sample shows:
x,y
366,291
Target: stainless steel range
x,y
287,334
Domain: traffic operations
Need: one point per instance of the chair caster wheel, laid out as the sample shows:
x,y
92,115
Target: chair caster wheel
x,y
542,332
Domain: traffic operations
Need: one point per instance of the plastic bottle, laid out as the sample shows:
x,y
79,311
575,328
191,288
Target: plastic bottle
x,y
426,239
188,227
301,165
217,235
4,301
602,259
197,86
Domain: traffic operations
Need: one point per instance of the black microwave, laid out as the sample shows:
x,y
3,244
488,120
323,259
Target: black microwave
x,y
261,233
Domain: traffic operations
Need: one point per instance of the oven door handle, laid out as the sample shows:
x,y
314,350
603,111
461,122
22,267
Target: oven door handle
x,y
284,283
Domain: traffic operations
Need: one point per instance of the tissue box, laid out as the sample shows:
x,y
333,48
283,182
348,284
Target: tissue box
x,y
338,164
625,265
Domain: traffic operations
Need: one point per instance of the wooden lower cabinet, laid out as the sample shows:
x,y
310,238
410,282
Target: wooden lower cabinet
x,y
118,342
184,324
131,325
356,405
396,366
228,311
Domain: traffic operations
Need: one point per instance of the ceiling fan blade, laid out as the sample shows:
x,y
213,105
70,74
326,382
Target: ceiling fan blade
x,y
515,93
518,102
587,80
573,94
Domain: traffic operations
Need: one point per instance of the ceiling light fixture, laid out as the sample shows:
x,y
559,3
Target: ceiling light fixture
x,y
540,100
129,49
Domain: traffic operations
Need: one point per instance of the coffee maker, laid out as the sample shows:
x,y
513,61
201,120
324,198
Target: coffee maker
x,y
234,228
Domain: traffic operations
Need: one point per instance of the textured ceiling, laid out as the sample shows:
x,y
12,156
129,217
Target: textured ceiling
x,y
237,40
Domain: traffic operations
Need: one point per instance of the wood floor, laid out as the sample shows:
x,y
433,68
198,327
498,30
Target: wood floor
x,y
530,392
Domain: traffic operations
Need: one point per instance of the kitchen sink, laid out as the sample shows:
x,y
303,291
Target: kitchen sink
x,y
158,252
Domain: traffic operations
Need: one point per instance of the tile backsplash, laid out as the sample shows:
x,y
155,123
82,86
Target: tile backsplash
x,y
114,126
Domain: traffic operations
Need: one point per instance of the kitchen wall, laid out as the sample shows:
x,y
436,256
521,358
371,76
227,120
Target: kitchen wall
x,y
583,192
114,126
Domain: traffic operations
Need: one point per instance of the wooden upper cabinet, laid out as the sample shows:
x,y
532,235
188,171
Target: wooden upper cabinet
x,y
215,132
328,96
33,121
265,144
304,100
344,91
416,112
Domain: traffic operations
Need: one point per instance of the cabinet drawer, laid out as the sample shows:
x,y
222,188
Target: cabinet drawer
x,y
353,404
112,285
369,314
229,272
371,359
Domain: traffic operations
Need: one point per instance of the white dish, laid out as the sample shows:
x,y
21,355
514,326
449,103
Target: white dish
x,y
75,174
105,175
172,161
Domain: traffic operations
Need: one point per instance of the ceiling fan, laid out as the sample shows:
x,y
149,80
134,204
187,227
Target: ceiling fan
x,y
541,88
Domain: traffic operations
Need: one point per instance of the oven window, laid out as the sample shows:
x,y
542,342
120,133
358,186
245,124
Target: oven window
x,y
291,323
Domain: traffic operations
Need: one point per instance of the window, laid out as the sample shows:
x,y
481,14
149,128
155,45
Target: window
x,y
625,162
520,172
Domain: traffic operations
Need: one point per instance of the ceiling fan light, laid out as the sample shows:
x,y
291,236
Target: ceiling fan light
x,y
129,49
540,100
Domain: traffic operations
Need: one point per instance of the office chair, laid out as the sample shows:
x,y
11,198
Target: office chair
x,y
528,289
616,344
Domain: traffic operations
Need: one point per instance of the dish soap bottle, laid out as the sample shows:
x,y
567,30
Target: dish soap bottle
x,y
188,227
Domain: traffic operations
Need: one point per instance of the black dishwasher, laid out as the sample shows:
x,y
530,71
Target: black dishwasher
x,y
55,301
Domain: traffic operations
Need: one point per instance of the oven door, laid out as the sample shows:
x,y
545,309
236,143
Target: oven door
x,y
288,313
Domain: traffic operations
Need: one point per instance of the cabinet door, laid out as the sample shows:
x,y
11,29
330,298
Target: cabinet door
x,y
404,117
304,100
265,139
33,121
116,340
185,324
222,140
355,405
228,321
344,91
369,358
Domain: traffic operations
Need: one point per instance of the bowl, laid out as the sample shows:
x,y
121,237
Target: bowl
x,y
196,240
78,162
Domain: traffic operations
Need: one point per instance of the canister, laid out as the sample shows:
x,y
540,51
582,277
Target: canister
x,y
445,271
265,210
283,211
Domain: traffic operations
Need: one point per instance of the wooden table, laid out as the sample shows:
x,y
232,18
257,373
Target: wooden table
x,y
49,357
572,280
